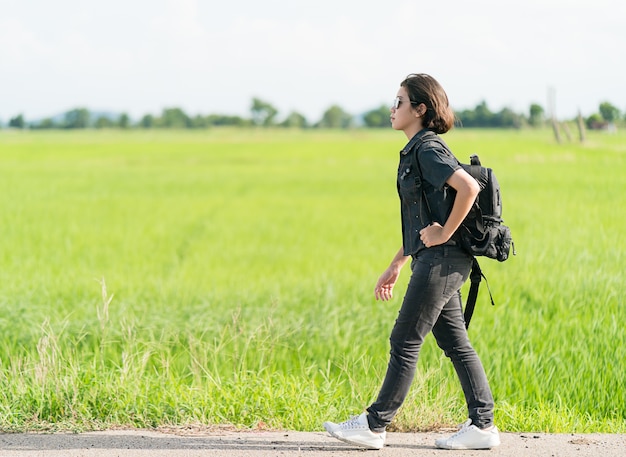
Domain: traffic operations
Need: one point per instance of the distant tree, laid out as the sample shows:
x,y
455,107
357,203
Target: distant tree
x,y
609,112
224,120
47,123
175,118
295,120
378,117
77,118
484,116
199,122
262,112
123,121
466,118
103,122
536,115
335,118
147,121
507,118
596,122
17,122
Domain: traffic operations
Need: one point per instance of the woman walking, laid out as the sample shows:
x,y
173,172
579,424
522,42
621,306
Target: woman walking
x,y
435,195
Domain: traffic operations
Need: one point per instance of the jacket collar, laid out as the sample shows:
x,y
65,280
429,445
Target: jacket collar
x,y
417,139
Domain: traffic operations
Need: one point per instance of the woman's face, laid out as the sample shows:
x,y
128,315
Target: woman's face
x,y
404,116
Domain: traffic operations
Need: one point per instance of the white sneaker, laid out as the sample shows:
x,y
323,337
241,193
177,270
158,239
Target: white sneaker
x,y
470,437
357,431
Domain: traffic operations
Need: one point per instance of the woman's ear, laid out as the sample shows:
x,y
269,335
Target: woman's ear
x,y
420,110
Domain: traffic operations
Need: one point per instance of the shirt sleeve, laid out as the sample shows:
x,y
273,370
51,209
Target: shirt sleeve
x,y
437,164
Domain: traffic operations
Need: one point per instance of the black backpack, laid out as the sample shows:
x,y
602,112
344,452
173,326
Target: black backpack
x,y
482,233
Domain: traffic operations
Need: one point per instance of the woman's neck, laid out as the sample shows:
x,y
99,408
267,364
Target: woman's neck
x,y
410,132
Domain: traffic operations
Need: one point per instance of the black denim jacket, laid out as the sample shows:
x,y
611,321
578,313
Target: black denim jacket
x,y
424,195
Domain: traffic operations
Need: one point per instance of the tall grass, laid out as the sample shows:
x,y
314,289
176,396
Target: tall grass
x,y
226,277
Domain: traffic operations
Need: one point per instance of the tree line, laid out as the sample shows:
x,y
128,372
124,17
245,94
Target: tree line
x,y
264,114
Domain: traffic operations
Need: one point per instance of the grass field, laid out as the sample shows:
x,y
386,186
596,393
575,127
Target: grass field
x,y
226,277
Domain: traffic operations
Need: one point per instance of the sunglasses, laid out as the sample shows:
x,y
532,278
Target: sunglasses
x,y
398,101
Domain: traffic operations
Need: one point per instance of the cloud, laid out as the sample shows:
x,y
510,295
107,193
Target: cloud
x,y
20,44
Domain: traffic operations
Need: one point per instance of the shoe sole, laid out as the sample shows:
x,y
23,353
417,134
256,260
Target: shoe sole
x,y
349,441
464,448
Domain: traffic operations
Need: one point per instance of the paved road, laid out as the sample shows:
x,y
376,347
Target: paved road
x,y
124,443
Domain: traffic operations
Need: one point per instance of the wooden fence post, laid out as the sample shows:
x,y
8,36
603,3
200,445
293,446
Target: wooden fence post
x,y
581,128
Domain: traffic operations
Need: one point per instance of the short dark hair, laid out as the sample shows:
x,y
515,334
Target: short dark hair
x,y
423,88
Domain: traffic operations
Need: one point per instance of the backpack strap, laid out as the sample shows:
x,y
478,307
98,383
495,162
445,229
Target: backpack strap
x,y
474,171
475,167
429,135
475,276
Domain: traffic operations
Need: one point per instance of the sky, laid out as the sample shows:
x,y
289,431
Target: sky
x,y
208,57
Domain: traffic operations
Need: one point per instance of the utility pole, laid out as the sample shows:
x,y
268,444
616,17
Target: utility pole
x,y
552,107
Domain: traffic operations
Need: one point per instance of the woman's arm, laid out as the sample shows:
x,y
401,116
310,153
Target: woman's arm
x,y
466,191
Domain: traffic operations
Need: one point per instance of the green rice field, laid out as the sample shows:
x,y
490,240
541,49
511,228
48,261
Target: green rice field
x,y
226,277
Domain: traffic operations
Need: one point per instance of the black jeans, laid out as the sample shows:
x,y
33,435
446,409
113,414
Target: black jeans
x,y
433,302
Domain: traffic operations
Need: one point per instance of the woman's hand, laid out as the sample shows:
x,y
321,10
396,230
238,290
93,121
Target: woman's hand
x,y
384,287
433,235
